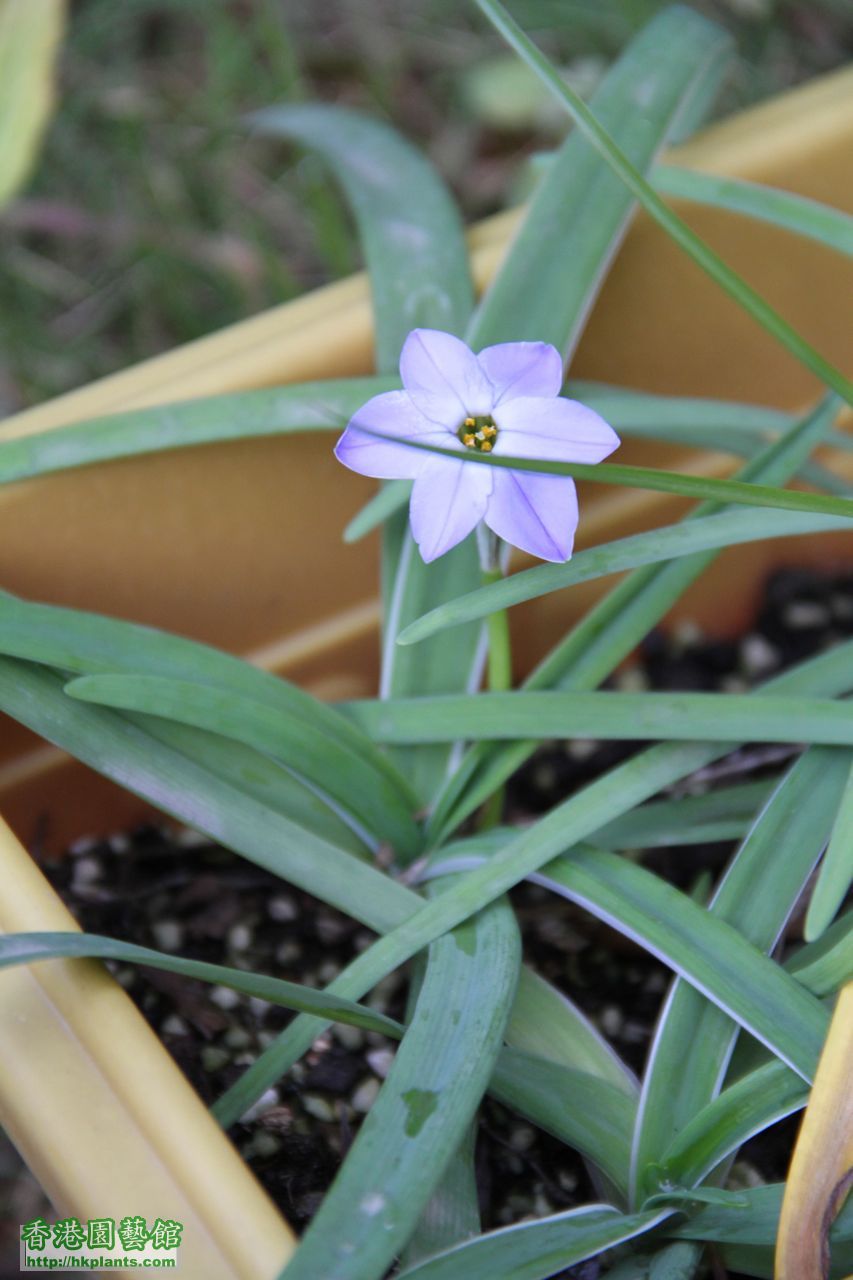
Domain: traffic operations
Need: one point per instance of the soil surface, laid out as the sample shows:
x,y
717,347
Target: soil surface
x,y
175,892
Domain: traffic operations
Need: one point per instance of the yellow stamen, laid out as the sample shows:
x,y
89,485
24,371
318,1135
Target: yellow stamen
x,y
486,446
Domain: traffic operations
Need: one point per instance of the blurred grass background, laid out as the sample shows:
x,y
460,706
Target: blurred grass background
x,y
152,218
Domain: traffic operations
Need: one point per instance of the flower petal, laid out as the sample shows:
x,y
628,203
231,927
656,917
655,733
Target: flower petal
x,y
557,430
522,369
443,377
393,414
537,513
449,498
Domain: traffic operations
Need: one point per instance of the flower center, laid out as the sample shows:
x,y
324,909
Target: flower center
x,y
479,433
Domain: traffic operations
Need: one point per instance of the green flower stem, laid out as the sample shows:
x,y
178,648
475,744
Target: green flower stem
x,y
499,664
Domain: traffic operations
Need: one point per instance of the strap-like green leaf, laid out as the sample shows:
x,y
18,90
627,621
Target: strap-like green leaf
x,y
27,948
579,211
687,717
534,1250
613,627
87,644
426,1104
713,957
654,547
810,218
694,1040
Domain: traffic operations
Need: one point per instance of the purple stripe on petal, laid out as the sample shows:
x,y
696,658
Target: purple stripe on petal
x,y
448,501
537,513
557,430
443,370
393,414
522,369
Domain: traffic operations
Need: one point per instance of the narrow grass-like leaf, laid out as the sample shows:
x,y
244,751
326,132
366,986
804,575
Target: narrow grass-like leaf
x,y
547,1025
713,957
616,792
266,781
651,478
179,786
410,229
593,1116
543,293
827,963
417,260
757,1224
718,815
368,796
269,411
612,628
701,253
392,497
538,1249
86,644
805,217
747,1107
653,547
27,948
542,1023
687,717
426,1104
836,870
694,1040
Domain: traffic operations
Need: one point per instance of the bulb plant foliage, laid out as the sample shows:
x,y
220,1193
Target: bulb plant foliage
x,y
391,809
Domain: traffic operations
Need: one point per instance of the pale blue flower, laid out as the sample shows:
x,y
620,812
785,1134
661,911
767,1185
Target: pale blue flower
x,y
507,400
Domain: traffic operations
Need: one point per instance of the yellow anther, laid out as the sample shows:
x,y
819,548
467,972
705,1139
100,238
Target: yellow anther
x,y
486,446
468,440
469,422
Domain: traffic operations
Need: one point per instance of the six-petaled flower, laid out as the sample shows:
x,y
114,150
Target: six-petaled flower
x,y
504,400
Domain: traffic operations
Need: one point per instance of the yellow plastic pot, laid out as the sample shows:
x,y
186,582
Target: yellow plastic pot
x,y
140,538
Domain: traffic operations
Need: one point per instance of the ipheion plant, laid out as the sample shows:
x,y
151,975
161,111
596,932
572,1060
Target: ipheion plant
x,y
506,399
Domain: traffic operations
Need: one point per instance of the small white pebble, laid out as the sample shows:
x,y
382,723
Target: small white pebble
x,y
225,998
258,1006
174,1025
803,614
582,748
610,1020
522,1138
758,655
264,1103
380,1061
282,908
264,1144
237,1038
189,838
214,1057
287,953
239,937
168,934
633,680
119,843
318,1107
365,1095
86,870
82,845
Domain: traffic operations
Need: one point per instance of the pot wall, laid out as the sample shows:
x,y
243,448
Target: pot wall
x,y
126,538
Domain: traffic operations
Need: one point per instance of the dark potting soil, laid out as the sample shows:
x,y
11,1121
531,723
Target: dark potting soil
x,y
176,892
